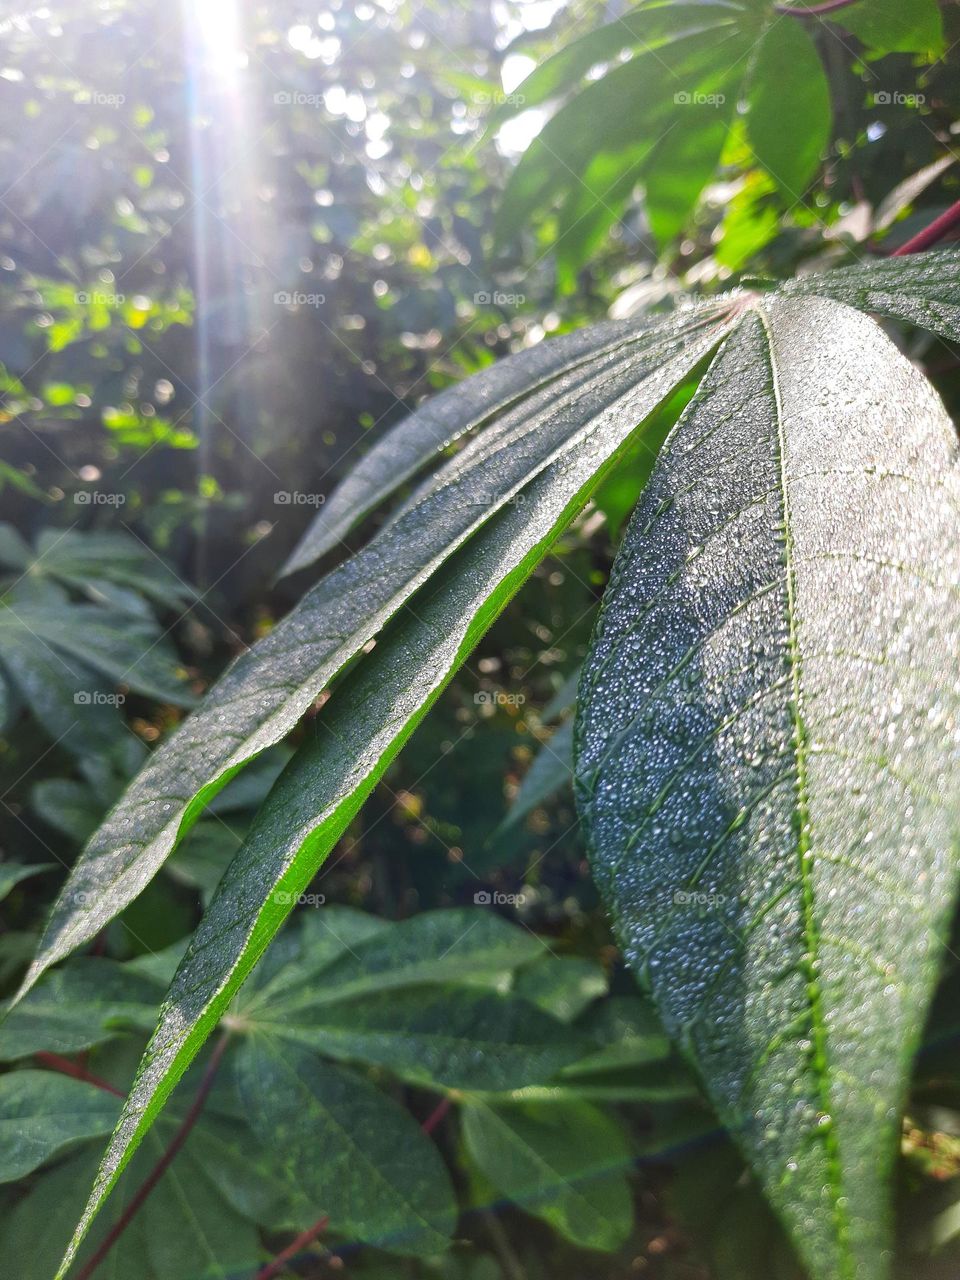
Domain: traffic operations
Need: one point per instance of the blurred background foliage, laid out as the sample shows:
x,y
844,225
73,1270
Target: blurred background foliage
x,y
237,241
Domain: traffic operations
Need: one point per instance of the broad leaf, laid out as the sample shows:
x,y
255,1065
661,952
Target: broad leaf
x,y
266,691
562,986
87,1002
788,143
767,720
356,1153
565,1163
891,26
42,1113
447,1036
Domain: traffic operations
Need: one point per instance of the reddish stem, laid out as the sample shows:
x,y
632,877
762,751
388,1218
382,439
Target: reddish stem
x,y
160,1168
435,1116
937,229
68,1068
293,1248
814,10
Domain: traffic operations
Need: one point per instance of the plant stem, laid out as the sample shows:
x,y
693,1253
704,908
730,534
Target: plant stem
x,y
937,229
68,1068
293,1248
814,10
160,1168
435,1116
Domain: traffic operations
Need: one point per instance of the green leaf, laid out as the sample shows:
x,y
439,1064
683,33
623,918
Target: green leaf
x,y
790,116
356,1153
891,26
447,1036
550,772
457,945
375,710
629,1030
444,419
763,723
269,687
370,718
186,1228
85,1003
42,1113
923,289
12,873
645,88
646,27
565,1163
562,986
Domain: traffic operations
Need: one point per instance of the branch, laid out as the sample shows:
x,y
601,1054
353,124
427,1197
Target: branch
x,y
293,1248
160,1168
68,1068
815,10
937,229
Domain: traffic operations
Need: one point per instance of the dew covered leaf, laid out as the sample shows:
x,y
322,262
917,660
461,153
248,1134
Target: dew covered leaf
x,y
921,289
375,709
588,413
766,736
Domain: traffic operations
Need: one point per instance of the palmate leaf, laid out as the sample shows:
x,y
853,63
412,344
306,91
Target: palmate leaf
x,y
349,1147
589,413
768,730
374,710
553,447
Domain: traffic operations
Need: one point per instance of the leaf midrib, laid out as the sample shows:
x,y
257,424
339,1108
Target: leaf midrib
x,y
811,938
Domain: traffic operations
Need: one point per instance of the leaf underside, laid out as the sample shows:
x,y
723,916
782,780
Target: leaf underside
x,y
768,722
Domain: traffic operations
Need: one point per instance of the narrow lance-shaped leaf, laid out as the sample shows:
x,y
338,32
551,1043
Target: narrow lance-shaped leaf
x,y
412,443
369,718
922,289
268,688
768,746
